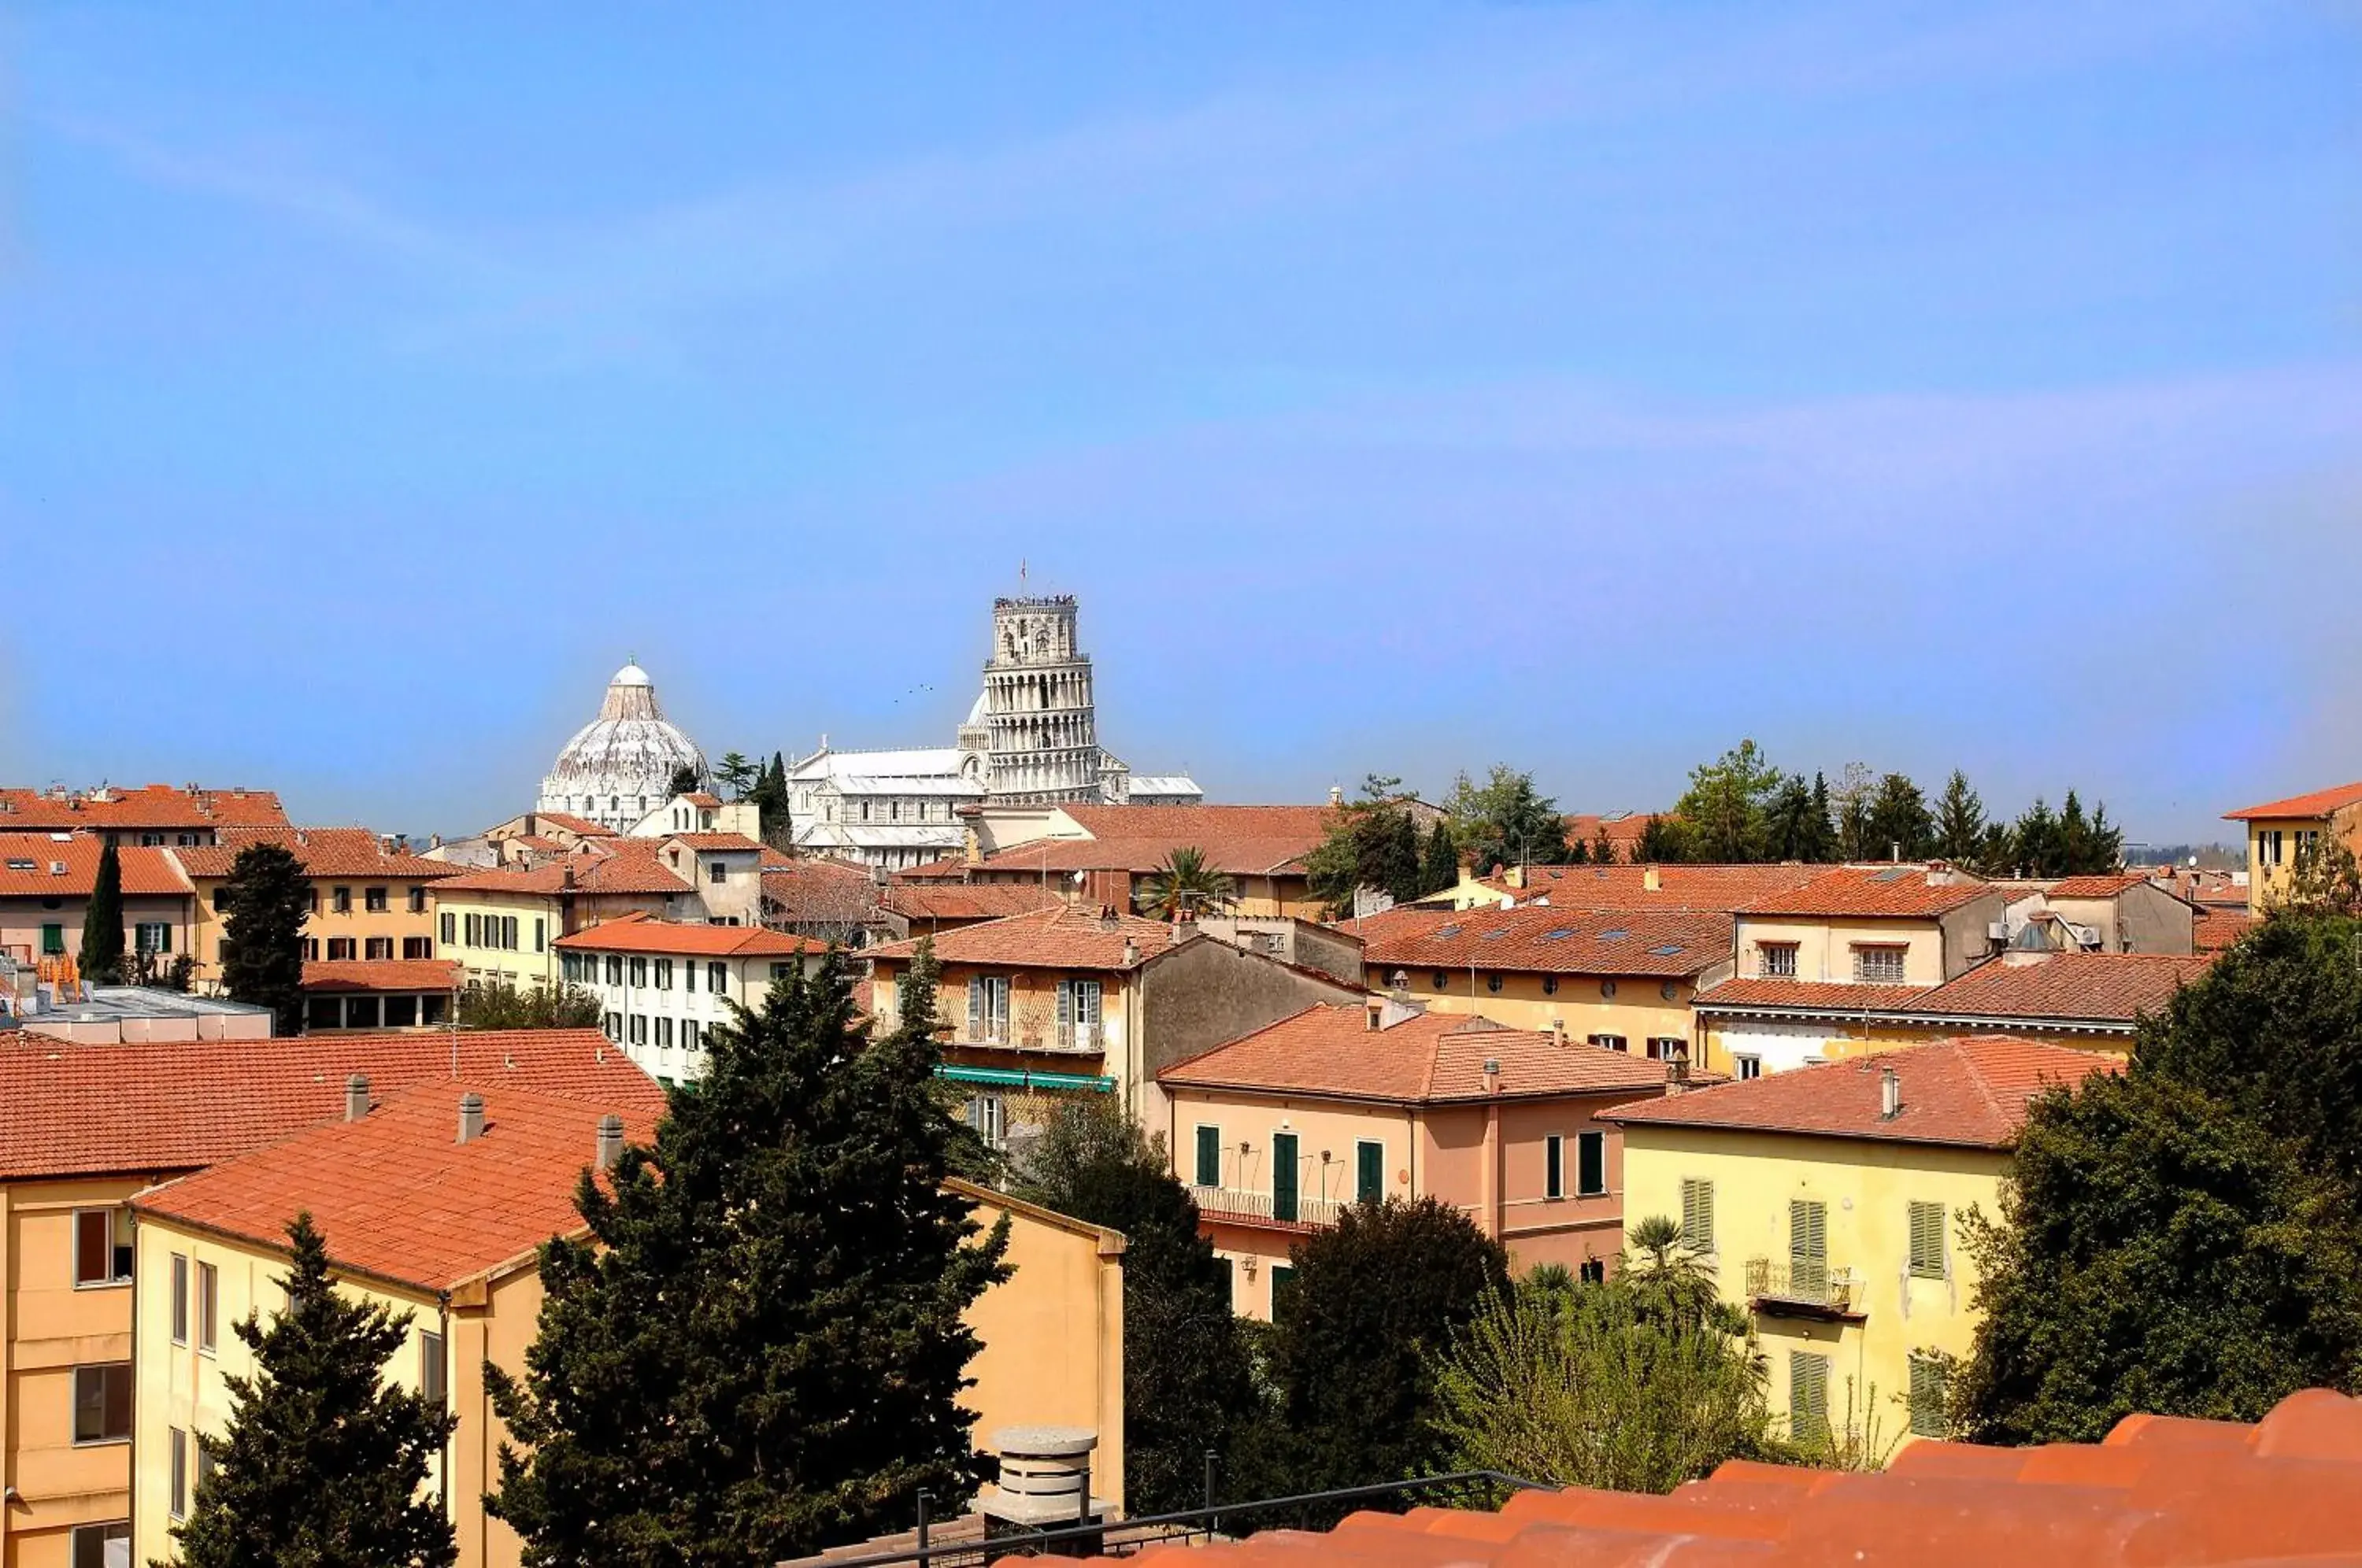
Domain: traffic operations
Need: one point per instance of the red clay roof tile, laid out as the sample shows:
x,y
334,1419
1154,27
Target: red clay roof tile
x,y
1810,996
1056,938
1902,891
1546,940
156,808
28,863
2114,987
382,975
638,934
965,900
2319,803
323,851
1718,890
1239,841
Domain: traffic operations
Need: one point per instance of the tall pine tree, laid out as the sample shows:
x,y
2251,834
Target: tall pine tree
x,y
101,922
758,1351
265,901
324,1462
1960,821
1439,870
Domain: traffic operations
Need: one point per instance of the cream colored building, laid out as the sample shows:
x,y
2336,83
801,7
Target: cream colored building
x,y
2279,831
1827,1202
370,903
502,926
663,984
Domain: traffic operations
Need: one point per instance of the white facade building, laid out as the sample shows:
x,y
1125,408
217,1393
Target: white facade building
x,y
620,766
662,985
1030,739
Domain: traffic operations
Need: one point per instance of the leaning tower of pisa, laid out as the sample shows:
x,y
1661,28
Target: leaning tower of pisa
x,y
1038,708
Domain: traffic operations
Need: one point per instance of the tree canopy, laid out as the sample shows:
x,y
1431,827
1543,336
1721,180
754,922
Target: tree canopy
x,y
265,903
1723,813
1507,822
1375,843
101,958
497,1004
1185,882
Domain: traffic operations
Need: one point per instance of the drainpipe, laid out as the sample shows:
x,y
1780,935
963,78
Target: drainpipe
x,y
442,1333
1488,1189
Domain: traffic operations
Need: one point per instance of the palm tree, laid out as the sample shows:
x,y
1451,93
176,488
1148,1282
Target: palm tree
x,y
1672,1280
1184,882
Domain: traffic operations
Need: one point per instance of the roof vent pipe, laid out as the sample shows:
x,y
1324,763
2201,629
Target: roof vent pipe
x,y
355,1097
1131,952
1492,1075
611,1140
1889,1094
471,1116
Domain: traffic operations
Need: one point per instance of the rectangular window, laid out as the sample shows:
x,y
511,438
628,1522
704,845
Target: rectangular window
x,y
540,934
1209,1156
101,1546
639,1027
204,1462
470,929
418,899
639,969
1878,964
400,1012
1667,1048
1927,1241
208,1307
509,932
1554,1166
1590,1164
433,1375
378,947
778,971
339,948
615,1027
103,1403
1283,1288
988,1008
373,901
323,1013
614,969
101,1247
450,929
178,1503
664,973
989,1114
417,947
179,1299
1697,1216
341,901
663,1034
1078,1014
151,936
1283,1175
717,873
1927,1396
1369,1171
1610,1041
689,974
1776,960
1808,1395
717,979
1749,1067
688,1038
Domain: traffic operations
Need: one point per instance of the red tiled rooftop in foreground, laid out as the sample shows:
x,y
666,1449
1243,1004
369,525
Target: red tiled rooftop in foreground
x,y
1910,893
28,863
2113,986
1546,940
1811,996
2217,928
397,1196
965,900
2319,803
2284,1493
322,852
1970,1092
2106,887
82,1109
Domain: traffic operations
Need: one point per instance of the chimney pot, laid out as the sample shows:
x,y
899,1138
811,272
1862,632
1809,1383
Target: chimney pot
x,y
1492,1075
357,1098
471,1116
1889,1094
1131,952
1336,796
611,1140
1558,1031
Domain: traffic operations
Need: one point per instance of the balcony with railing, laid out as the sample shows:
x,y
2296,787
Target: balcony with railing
x,y
1241,1207
1797,1288
1066,1039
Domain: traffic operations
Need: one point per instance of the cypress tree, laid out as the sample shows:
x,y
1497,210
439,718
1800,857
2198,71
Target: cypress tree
x,y
264,904
324,1462
101,922
1820,827
758,1353
1439,871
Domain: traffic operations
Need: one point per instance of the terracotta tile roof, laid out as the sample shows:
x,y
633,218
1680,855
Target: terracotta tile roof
x,y
382,975
2108,886
1809,996
2159,1490
582,827
1711,889
1059,938
700,798
1624,828
1241,841
397,1196
619,871
324,852
2099,986
26,859
2320,803
1333,1051
950,868
1972,1092
68,1109
153,807
1543,939
638,934
965,900
2216,928
711,841
813,890
1873,890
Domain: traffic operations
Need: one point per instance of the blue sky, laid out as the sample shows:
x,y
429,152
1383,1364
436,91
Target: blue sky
x,y
1408,388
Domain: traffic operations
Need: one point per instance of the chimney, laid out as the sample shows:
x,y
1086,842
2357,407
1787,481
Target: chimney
x,y
1492,1075
471,1116
1336,796
1889,1094
971,846
1558,1033
355,1097
1515,878
433,841
1677,1070
566,875
611,1140
1131,952
1109,918
1939,873
1653,880
1045,1481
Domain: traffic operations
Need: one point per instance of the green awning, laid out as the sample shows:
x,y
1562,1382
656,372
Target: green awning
x,y
1018,1078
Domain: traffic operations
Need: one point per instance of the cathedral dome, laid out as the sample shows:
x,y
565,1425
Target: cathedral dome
x,y
619,766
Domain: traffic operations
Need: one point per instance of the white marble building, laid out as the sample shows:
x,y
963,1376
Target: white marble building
x,y
620,766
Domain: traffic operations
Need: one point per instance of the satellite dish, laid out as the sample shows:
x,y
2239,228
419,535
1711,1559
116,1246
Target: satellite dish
x,y
2193,863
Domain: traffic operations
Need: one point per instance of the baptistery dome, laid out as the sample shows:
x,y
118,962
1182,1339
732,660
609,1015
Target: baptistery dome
x,y
619,766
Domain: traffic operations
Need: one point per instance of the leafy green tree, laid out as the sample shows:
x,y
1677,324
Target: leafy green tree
x,y
101,960
1899,824
1351,1350
736,774
1849,803
685,781
324,1462
1724,811
2088,847
1664,841
265,901
1184,882
758,1351
1961,825
1185,1376
1795,827
1634,1384
1507,822
1440,866
2035,848
497,1004
1603,848
2324,880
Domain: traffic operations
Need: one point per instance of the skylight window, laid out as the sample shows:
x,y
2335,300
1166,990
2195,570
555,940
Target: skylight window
x,y
14,865
1452,930
1670,950
1895,874
1617,934
1559,934
1493,935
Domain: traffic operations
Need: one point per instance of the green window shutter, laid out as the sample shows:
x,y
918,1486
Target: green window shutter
x,y
1370,1172
975,1007
1283,1176
1927,1241
1808,1245
1283,1288
1697,1215
1209,1156
1808,1395
54,939
1928,1395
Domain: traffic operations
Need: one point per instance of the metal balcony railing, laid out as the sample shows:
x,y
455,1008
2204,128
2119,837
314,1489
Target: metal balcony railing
x,y
1237,1203
1790,1284
1078,1037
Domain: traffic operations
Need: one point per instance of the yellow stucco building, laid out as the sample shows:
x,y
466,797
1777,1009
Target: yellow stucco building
x,y
502,926
368,904
2279,831
1827,1202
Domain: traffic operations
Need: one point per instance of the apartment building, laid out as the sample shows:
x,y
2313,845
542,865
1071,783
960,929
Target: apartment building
x,y
152,816
663,984
1101,853
2279,831
45,886
500,925
369,903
